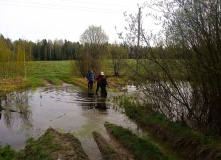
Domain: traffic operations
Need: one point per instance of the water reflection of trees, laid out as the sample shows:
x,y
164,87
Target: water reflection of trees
x,y
176,104
16,108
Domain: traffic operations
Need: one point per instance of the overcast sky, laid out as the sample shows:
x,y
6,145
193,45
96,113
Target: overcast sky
x,y
62,19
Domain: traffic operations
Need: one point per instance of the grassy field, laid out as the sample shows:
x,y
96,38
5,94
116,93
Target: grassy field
x,y
39,73
55,72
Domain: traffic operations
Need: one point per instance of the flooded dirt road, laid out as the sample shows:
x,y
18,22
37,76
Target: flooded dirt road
x,y
65,108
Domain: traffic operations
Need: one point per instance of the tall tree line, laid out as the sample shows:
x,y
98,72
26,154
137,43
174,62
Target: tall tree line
x,y
48,50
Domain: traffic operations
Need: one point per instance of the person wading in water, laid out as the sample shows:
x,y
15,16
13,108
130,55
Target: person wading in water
x,y
90,78
101,82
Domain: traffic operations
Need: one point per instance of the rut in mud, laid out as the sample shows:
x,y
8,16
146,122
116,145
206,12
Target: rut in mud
x,y
112,150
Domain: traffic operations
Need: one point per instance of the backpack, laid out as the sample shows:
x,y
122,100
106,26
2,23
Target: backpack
x,y
103,82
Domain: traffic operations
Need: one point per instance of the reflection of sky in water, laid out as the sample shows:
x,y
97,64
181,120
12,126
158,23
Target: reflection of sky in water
x,y
66,108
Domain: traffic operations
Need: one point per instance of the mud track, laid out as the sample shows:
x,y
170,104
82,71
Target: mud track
x,y
69,147
112,150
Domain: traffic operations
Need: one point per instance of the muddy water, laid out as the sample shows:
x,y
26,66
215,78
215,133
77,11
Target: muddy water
x,y
65,108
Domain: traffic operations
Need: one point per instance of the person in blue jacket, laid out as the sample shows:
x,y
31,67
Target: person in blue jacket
x,y
90,78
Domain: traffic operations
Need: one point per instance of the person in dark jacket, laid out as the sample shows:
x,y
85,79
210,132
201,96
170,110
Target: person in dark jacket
x,y
98,78
90,78
103,83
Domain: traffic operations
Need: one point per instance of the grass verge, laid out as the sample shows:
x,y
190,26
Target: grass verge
x,y
142,148
7,153
189,143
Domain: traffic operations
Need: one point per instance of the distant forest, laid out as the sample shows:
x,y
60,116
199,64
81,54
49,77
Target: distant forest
x,y
46,50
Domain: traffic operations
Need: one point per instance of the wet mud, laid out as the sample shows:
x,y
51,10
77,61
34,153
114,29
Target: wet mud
x,y
61,146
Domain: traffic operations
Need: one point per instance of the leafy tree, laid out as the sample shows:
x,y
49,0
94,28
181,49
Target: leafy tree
x,y
5,58
95,49
13,58
49,48
39,51
29,49
196,28
22,58
118,54
92,56
188,89
44,49
94,35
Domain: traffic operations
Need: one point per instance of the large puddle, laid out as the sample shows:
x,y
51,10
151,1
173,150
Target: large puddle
x,y
65,108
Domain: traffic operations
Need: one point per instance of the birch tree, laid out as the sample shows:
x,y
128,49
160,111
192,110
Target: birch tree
x,y
5,59
22,58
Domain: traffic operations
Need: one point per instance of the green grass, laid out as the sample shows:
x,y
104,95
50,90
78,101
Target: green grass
x,y
38,72
142,148
7,153
55,72
111,149
58,71
48,70
39,150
